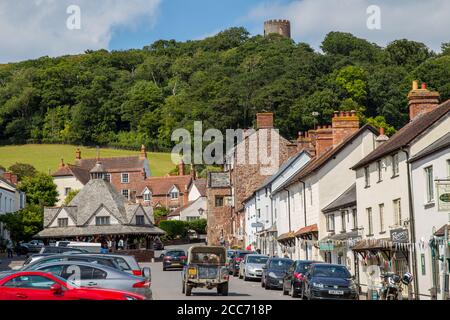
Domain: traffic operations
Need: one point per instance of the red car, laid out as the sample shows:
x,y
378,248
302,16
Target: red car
x,y
46,286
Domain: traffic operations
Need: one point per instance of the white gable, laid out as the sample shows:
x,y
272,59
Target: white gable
x,y
62,215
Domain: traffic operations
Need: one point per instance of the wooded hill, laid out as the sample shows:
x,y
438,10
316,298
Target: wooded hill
x,y
127,98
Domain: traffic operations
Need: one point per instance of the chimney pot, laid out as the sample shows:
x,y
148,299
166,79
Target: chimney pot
x,y
424,86
415,85
382,132
78,154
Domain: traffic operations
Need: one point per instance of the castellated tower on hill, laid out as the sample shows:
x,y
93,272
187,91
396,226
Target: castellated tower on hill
x,y
281,27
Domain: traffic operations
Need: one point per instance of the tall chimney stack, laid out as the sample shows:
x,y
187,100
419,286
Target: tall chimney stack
x,y
264,120
78,154
345,123
421,101
181,168
324,139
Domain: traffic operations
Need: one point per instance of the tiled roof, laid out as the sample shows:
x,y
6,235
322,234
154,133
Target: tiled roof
x,y
317,163
114,164
201,186
160,186
306,230
406,135
348,198
437,146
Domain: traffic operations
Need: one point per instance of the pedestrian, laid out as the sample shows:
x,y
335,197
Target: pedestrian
x,y
104,247
120,245
9,248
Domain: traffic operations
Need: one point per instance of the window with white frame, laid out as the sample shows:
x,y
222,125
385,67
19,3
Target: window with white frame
x,y
125,178
126,193
174,194
102,221
367,176
397,212
381,212
380,170
343,221
108,177
369,222
330,223
147,196
429,180
355,219
395,165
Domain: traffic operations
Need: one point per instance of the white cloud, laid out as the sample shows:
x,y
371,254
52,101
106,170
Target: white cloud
x,y
424,21
34,28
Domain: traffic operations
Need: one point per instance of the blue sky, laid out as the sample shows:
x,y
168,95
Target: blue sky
x,y
34,28
187,20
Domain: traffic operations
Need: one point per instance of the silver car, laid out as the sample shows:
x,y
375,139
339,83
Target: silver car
x,y
98,276
252,266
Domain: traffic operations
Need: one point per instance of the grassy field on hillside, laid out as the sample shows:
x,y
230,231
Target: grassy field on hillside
x,y
47,157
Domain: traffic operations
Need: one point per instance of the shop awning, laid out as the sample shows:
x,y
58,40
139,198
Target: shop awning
x,y
307,230
441,231
373,244
286,237
342,236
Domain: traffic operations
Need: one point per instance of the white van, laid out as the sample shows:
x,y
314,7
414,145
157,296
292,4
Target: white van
x,y
88,246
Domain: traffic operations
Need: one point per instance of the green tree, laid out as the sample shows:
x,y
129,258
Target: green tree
x,y
40,190
23,170
198,226
72,194
24,224
175,229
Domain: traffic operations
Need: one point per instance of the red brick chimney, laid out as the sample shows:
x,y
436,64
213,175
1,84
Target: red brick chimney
x,y
264,120
324,139
78,154
345,123
181,168
143,154
421,101
11,177
307,141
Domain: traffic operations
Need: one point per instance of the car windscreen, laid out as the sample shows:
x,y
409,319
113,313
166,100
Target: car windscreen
x,y
302,267
257,260
280,264
175,253
331,272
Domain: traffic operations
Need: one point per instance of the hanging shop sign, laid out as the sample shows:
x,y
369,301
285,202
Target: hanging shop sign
x,y
399,236
443,195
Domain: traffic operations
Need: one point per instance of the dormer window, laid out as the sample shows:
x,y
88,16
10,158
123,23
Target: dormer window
x,y
147,195
140,220
174,193
102,221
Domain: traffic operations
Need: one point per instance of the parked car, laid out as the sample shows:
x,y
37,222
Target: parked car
x,y
92,247
98,276
205,269
25,248
45,286
293,280
65,257
252,266
59,250
274,272
329,281
238,256
174,259
127,263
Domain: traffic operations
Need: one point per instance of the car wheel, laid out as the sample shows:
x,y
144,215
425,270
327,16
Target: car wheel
x,y
188,290
266,286
285,292
293,293
246,278
262,283
183,287
223,289
164,269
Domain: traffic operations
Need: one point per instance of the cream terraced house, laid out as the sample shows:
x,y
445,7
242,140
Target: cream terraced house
x,y
384,187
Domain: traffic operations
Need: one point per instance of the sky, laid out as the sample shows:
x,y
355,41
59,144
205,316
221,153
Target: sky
x,y
34,28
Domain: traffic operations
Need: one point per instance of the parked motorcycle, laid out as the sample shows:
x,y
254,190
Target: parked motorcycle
x,y
392,286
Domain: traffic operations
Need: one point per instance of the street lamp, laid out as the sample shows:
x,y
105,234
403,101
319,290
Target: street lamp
x,y
201,211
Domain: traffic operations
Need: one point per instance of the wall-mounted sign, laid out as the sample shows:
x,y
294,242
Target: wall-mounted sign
x,y
325,246
399,236
257,225
443,195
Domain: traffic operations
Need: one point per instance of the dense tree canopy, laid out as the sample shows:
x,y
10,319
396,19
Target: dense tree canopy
x,y
126,98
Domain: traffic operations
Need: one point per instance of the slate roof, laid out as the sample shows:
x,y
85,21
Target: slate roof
x,y
406,135
133,163
218,180
319,162
201,186
70,170
437,146
98,230
347,199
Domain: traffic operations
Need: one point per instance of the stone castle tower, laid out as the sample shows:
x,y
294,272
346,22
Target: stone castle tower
x,y
281,27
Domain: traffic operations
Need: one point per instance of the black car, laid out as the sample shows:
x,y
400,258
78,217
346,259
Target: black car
x,y
235,263
174,259
329,281
293,280
274,272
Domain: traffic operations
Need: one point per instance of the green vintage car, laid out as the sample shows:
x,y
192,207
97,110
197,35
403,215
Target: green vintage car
x,y
206,268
